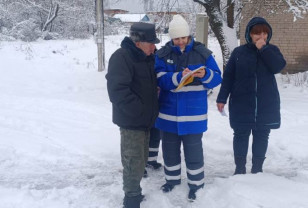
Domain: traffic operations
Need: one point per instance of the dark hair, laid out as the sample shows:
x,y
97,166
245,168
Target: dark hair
x,y
259,28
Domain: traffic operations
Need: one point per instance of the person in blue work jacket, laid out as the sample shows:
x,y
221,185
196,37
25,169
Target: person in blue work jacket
x,y
254,102
183,112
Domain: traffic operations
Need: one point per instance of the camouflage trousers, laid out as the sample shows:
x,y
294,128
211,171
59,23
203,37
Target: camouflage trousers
x,y
134,156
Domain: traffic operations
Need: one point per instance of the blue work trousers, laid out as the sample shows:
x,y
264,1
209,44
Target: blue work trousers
x,y
154,144
193,152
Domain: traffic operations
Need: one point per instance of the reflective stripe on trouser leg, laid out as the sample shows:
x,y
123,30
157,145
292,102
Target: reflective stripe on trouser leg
x,y
193,152
154,144
134,153
153,153
171,146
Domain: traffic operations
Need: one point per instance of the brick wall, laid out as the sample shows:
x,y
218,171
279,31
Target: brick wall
x,y
290,36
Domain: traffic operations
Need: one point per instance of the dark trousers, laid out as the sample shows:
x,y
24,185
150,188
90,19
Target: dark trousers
x,y
154,144
193,152
134,155
259,142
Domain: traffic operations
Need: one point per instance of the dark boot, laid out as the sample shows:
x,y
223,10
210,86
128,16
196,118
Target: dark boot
x,y
192,194
133,201
167,187
257,164
240,163
154,164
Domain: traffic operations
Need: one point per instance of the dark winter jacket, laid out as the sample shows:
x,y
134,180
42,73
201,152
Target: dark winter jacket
x,y
132,87
249,80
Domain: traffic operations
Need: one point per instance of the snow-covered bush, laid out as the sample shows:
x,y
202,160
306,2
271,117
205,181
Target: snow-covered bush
x,y
26,20
5,35
27,30
49,35
114,27
299,79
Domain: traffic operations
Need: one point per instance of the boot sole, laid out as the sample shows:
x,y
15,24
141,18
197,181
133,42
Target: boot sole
x,y
153,168
191,200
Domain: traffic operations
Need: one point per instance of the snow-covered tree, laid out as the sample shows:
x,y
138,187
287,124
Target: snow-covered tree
x,y
223,23
166,7
297,7
53,18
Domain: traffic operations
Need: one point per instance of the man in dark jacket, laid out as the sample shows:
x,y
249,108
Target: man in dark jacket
x,y
254,102
132,88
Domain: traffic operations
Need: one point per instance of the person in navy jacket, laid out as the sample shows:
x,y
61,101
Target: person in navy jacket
x,y
132,90
254,102
183,113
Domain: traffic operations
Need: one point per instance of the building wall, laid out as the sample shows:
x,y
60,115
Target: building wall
x,y
290,36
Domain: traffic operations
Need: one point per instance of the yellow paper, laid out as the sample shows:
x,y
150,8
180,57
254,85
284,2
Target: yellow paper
x,y
188,78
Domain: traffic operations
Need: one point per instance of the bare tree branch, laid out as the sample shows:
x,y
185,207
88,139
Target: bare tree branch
x,y
53,12
297,7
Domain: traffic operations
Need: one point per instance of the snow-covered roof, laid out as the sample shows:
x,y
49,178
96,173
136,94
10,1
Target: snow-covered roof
x,y
131,17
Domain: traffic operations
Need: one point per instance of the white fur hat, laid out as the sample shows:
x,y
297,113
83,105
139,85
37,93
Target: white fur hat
x,y
178,27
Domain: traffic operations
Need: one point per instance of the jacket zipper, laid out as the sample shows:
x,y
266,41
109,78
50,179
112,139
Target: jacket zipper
x,y
256,99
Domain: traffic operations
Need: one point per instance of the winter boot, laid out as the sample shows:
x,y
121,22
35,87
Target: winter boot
x,y
154,164
133,201
240,163
192,193
257,164
167,187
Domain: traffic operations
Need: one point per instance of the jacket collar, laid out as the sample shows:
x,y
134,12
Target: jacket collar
x,y
177,49
135,52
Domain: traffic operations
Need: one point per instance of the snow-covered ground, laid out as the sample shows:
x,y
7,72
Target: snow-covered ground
x,y
59,148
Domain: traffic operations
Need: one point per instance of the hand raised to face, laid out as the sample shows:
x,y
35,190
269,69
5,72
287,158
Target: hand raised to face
x,y
259,39
260,43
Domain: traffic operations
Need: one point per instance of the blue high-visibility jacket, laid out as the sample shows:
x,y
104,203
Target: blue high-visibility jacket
x,y
184,111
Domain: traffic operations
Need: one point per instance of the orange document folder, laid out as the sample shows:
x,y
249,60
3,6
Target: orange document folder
x,y
188,78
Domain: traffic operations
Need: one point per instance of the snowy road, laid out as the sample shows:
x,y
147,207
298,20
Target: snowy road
x,y
59,148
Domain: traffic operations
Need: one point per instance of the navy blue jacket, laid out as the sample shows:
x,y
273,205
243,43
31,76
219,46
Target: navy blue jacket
x,y
249,80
